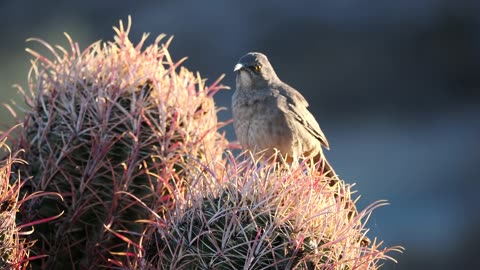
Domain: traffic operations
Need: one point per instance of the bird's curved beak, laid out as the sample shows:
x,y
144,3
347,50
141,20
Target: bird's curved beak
x,y
238,67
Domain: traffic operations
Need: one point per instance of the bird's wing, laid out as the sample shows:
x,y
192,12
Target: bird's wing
x,y
297,106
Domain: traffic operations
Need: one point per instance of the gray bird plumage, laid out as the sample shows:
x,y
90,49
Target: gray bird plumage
x,y
269,114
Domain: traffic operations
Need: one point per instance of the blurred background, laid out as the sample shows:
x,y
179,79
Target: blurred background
x,y
395,86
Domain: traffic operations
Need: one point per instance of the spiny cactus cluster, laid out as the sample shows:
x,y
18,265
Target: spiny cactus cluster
x,y
128,140
105,123
265,216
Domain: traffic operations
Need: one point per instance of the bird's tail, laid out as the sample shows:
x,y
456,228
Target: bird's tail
x,y
327,171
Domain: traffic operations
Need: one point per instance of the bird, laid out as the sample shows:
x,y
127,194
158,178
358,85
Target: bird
x,y
270,115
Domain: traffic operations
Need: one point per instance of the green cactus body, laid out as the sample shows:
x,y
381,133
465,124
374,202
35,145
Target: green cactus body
x,y
107,128
264,216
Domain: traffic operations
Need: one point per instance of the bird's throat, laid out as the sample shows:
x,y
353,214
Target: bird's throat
x,y
244,80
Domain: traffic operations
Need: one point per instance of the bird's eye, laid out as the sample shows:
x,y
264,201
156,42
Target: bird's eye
x,y
257,67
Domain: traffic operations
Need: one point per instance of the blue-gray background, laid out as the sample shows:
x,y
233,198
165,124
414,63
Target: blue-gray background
x,y
394,84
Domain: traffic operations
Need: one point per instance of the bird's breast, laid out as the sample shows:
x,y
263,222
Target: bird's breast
x,y
259,123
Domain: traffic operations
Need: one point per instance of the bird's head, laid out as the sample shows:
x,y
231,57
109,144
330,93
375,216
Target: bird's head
x,y
254,71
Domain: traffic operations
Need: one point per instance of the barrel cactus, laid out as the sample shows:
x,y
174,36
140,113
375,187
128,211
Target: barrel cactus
x,y
266,216
13,249
128,140
113,129
14,241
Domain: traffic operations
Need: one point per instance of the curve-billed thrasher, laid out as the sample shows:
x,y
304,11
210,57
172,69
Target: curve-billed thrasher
x,y
269,114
